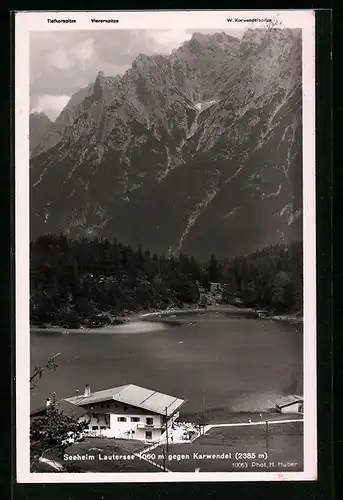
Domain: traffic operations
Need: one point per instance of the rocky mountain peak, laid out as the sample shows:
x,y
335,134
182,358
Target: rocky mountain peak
x,y
98,86
104,88
200,43
223,37
141,61
199,38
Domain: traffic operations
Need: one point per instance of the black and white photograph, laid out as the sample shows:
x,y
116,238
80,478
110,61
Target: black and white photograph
x,y
165,239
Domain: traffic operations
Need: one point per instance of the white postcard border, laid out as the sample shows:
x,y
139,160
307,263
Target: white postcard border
x,y
26,22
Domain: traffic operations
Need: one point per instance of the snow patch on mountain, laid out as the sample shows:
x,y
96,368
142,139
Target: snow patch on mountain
x,y
284,210
202,105
231,213
270,195
199,107
294,216
162,175
40,177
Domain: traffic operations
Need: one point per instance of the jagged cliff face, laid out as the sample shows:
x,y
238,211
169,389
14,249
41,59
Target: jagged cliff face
x,y
199,151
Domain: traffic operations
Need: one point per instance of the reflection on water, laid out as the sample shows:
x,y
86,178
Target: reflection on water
x,y
140,327
211,360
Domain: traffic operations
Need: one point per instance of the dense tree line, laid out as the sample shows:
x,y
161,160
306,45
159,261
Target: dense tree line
x,y
93,282
271,278
87,282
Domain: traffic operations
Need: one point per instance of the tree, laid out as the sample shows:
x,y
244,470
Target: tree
x,y
282,292
205,281
186,291
195,270
52,432
38,370
248,293
271,278
214,269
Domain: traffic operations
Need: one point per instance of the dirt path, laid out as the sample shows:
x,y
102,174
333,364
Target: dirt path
x,y
52,463
245,424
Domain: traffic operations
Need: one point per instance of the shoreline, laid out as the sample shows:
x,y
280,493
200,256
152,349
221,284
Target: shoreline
x,y
227,308
125,319
288,318
165,313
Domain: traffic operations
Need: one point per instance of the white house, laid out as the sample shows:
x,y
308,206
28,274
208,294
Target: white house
x,y
127,412
290,404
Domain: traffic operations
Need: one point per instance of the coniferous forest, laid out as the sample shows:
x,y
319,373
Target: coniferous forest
x,y
96,282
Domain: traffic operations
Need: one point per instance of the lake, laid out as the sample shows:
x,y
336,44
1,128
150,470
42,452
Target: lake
x,y
213,360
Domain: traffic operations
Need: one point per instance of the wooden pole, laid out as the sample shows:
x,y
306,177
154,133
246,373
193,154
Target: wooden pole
x,y
166,410
202,424
267,438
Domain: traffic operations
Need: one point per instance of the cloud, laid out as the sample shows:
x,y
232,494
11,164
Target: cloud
x,y
168,39
63,62
83,51
60,59
66,58
51,105
235,31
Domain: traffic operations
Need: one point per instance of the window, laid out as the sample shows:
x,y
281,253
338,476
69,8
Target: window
x,y
95,427
148,434
102,405
135,419
102,427
149,421
108,406
121,419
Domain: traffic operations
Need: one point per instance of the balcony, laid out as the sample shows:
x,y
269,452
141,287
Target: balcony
x,y
145,426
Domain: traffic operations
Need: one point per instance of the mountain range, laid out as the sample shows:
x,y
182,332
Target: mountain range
x,y
198,151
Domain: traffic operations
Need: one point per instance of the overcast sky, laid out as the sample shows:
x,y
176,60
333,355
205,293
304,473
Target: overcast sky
x,y
62,62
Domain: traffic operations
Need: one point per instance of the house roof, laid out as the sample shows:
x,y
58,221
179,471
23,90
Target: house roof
x,y
288,400
133,395
67,407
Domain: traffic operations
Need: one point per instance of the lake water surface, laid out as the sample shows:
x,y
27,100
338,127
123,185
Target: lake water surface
x,y
212,360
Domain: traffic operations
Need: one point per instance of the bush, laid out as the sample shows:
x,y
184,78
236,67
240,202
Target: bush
x,y
117,321
99,320
68,319
84,307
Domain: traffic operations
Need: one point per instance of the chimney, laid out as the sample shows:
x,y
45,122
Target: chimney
x,y
48,402
54,398
77,393
87,390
